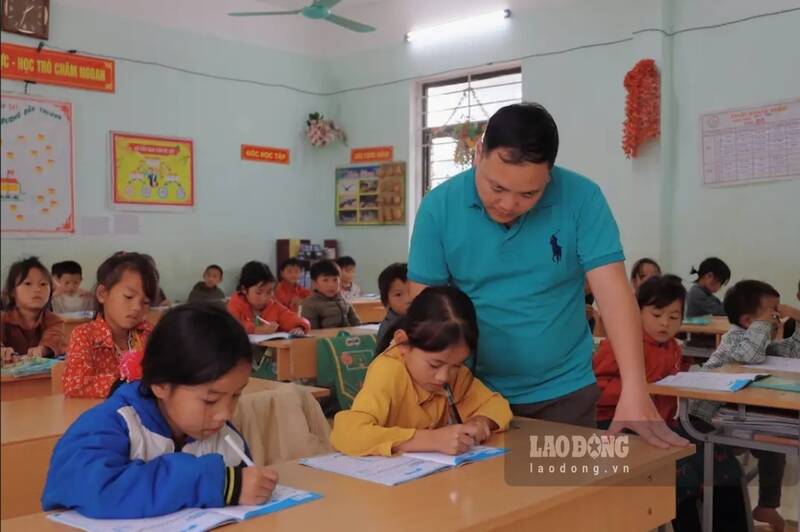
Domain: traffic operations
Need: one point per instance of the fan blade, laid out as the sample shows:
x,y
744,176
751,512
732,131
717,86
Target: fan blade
x,y
349,24
263,13
326,3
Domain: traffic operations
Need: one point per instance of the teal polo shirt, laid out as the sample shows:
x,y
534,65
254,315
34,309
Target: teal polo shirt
x,y
526,281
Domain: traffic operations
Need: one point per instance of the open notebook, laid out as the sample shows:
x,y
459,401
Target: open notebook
x,y
712,381
391,471
194,519
29,366
790,365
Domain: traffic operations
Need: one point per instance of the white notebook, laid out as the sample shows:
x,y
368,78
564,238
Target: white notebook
x,y
391,471
791,365
712,381
194,519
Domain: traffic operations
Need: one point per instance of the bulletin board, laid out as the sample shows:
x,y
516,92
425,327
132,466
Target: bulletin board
x,y
37,191
371,195
151,173
750,144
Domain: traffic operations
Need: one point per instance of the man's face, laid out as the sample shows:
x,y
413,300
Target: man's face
x,y
507,190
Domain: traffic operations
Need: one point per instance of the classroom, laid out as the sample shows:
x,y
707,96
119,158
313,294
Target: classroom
x,y
276,252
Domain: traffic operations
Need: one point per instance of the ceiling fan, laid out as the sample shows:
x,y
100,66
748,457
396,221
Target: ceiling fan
x,y
318,10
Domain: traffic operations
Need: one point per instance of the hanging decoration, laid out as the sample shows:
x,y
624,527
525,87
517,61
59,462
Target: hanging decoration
x,y
642,107
465,131
321,131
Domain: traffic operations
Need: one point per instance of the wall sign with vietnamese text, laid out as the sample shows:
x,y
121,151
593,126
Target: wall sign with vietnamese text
x,y
25,63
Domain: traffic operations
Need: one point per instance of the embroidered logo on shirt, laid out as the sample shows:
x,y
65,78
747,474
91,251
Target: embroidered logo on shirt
x,y
556,247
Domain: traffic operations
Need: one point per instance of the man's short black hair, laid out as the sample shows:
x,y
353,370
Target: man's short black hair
x,y
525,131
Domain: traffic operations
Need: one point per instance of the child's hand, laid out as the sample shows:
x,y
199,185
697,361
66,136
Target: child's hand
x,y
296,301
258,483
298,331
39,351
266,328
7,354
455,439
768,315
788,311
484,427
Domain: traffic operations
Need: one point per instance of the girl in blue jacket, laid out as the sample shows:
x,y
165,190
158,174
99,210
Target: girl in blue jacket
x,y
158,445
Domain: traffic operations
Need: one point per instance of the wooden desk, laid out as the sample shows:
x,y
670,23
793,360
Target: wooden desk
x,y
71,323
297,358
719,325
370,310
474,497
15,388
759,397
30,429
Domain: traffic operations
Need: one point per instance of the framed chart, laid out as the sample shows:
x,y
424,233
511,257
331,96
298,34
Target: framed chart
x,y
371,195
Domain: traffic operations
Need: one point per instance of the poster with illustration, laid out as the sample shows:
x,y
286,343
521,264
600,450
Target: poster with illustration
x,y
37,193
151,173
371,195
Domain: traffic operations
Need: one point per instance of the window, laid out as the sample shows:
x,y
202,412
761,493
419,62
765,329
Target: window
x,y
454,115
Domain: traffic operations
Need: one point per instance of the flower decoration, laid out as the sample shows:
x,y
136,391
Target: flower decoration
x,y
321,131
642,106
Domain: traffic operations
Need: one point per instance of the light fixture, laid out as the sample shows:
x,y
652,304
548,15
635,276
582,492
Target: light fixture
x,y
460,27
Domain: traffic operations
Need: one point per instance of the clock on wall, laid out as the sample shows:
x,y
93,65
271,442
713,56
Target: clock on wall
x,y
27,17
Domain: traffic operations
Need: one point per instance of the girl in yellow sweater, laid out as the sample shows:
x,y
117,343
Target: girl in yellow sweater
x,y
402,405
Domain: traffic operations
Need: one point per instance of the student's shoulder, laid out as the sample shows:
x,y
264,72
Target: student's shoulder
x,y
107,416
388,367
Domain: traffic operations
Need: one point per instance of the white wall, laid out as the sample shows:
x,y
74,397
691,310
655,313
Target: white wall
x,y
754,228
242,207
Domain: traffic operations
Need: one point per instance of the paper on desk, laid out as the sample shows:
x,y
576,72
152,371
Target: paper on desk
x,y
791,365
712,381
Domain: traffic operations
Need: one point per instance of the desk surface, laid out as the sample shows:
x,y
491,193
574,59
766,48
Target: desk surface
x,y
9,378
471,497
51,415
748,396
314,335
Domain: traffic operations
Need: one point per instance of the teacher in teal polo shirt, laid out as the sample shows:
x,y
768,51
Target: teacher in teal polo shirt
x,y
519,235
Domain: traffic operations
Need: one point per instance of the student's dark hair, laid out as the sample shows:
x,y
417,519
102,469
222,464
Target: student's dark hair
x,y
439,317
661,291
637,266
745,298
110,273
17,274
325,267
291,261
213,267
193,344
715,266
526,132
67,267
253,273
346,261
398,270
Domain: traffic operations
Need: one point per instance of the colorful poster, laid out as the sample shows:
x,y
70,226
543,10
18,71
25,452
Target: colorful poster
x,y
371,195
151,173
37,195
26,63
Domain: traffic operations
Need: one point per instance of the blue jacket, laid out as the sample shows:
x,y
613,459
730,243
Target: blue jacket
x,y
118,460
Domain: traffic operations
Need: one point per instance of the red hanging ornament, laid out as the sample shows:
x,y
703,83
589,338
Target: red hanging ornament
x,y
642,107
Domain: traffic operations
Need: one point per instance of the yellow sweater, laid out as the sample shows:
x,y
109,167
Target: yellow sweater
x,y
390,407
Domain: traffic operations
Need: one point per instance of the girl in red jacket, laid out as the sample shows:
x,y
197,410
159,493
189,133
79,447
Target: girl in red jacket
x,y
255,307
661,302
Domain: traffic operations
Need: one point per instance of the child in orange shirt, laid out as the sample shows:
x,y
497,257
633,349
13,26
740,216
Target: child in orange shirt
x,y
26,326
661,301
255,307
289,293
110,348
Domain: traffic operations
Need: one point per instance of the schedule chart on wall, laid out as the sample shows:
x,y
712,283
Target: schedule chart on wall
x,y
751,144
